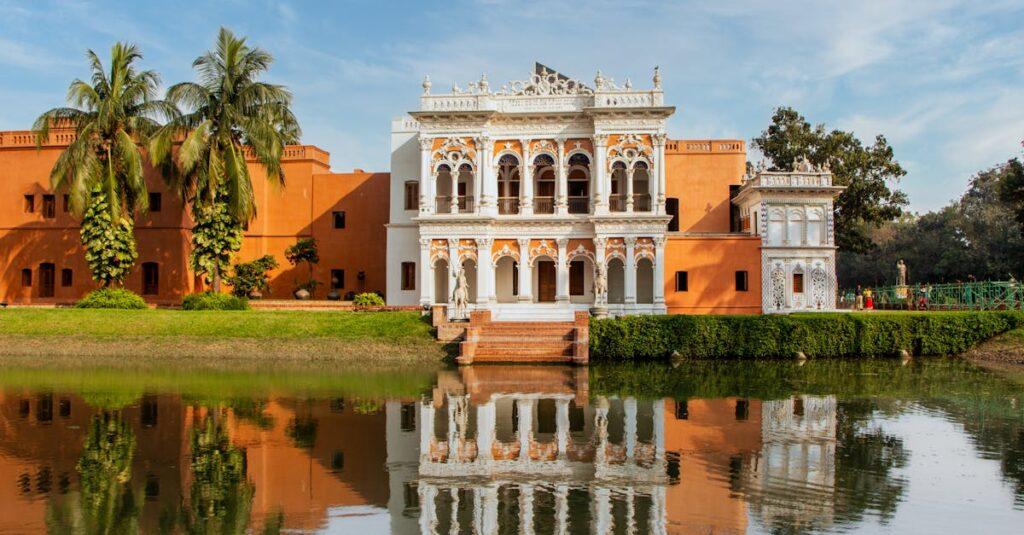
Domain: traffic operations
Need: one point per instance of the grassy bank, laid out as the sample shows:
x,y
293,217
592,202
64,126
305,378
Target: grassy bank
x,y
227,336
838,335
1007,348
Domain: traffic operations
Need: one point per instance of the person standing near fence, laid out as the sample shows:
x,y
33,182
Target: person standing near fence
x,y
859,299
869,303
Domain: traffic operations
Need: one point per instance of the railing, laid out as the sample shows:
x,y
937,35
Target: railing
x,y
792,179
464,204
579,205
508,205
642,202
987,295
617,203
543,205
444,205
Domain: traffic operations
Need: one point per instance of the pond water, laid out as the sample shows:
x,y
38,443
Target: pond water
x,y
934,446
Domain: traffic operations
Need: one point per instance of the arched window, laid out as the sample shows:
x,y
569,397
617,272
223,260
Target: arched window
x,y
795,227
814,227
617,201
579,184
544,184
443,188
508,184
641,187
465,188
150,278
776,226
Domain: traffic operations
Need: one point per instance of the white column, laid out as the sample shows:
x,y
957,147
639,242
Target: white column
x,y
630,270
490,510
454,201
426,177
426,274
428,504
629,189
525,271
562,271
562,189
526,191
484,270
561,509
658,417
485,424
454,529
658,518
658,181
600,174
562,427
526,509
629,417
488,179
426,430
659,270
601,424
602,514
453,268
525,409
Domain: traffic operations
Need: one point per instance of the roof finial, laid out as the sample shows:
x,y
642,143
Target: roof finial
x,y
629,85
599,81
657,77
426,85
484,85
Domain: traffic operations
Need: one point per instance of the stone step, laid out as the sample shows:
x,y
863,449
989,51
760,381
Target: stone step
x,y
540,345
486,357
526,338
524,351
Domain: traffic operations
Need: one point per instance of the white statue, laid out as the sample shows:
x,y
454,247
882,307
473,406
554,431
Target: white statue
x,y
600,284
460,296
901,273
803,165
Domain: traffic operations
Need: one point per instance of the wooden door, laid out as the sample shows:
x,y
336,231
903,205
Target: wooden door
x,y
47,275
545,281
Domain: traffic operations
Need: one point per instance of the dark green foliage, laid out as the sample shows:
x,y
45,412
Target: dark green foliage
x,y
214,301
111,298
1011,189
876,334
108,241
216,236
368,299
868,172
249,276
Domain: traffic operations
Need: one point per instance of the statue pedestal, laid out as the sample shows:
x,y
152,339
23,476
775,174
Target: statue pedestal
x,y
599,311
902,291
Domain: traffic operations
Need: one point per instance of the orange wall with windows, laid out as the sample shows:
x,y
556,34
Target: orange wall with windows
x,y
699,173
711,263
303,207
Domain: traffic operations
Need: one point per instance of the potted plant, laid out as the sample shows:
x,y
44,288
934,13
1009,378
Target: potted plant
x,y
250,279
304,251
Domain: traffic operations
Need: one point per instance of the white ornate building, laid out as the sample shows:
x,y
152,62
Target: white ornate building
x,y
534,187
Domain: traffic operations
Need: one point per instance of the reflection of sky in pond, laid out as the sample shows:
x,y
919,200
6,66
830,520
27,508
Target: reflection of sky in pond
x,y
934,447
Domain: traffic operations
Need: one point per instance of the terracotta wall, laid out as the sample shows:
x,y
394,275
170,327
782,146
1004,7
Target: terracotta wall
x,y
711,263
699,173
301,208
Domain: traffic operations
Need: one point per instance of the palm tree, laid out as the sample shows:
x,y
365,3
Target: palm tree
x,y
112,115
226,115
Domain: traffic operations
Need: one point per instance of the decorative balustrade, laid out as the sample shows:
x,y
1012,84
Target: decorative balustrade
x,y
463,204
617,203
543,205
579,205
508,205
796,179
642,202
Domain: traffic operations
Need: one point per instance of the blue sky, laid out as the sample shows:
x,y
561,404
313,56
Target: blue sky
x,y
942,79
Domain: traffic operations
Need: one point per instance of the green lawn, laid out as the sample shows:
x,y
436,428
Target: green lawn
x,y
252,334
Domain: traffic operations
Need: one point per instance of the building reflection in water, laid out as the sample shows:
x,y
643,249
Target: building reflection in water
x,y
489,449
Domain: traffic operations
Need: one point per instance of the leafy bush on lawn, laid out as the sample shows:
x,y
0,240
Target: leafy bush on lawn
x,y
112,298
368,299
214,301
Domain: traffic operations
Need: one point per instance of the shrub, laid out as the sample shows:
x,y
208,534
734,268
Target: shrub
x,y
249,276
876,334
111,298
214,301
304,250
368,299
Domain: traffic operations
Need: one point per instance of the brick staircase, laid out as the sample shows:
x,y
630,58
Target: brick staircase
x,y
487,341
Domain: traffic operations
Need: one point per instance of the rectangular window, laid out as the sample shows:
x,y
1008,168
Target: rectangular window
x,y
408,420
682,410
735,225
150,278
339,219
156,202
47,282
742,281
682,281
49,206
67,277
26,277
576,270
337,279
742,409
408,275
66,204
30,204
412,195
798,283
672,209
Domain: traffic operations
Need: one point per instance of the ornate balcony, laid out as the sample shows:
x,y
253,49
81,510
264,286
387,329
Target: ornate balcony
x,y
579,205
508,205
464,204
642,202
543,205
617,203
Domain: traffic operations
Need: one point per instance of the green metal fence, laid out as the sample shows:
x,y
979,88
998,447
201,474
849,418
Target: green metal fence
x,y
987,295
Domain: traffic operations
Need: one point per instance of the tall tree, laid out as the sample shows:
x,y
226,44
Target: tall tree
x,y
227,114
866,171
112,114
1011,190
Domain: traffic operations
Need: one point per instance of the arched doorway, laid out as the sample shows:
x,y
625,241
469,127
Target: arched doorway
x,y
469,267
645,281
506,280
544,274
616,281
441,281
581,280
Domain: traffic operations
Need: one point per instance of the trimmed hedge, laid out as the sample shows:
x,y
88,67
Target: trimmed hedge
x,y
112,298
214,301
368,299
875,334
